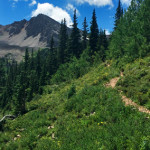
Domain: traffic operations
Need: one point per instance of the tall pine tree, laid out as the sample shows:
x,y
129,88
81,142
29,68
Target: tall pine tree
x,y
94,34
101,48
63,37
119,13
20,94
26,60
84,34
38,65
31,61
105,41
52,59
74,42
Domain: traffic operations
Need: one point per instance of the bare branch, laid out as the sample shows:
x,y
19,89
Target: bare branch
x,y
8,116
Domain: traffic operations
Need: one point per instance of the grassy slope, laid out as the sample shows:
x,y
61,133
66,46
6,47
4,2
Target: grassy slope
x,y
89,117
136,82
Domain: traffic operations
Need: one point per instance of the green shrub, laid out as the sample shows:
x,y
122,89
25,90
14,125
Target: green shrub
x,y
72,70
71,91
135,83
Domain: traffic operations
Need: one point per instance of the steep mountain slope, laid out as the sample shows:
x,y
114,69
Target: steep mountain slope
x,y
35,33
80,114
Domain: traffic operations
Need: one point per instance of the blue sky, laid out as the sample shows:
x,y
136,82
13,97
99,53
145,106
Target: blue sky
x,y
16,10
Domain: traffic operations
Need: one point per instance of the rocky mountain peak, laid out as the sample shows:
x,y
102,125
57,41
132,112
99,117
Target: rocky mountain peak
x,y
35,33
43,25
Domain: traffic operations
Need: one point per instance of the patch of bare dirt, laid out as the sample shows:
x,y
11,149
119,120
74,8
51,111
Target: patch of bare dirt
x,y
129,102
112,82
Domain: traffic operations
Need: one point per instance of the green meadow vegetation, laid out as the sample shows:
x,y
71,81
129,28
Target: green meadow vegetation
x,y
59,95
81,114
136,81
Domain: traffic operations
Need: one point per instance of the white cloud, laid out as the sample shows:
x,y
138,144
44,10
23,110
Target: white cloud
x,y
19,0
13,5
55,13
107,32
98,3
126,2
33,3
71,8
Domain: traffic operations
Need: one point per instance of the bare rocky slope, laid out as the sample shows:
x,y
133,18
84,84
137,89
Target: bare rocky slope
x,y
35,33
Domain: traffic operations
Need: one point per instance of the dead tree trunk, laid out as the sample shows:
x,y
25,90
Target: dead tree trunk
x,y
7,116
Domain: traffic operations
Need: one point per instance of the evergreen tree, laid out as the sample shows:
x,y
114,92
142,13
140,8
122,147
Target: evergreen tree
x,y
105,41
26,60
15,70
20,94
130,39
100,41
84,34
63,37
38,65
119,14
52,44
43,76
32,61
8,91
33,86
94,34
2,74
52,58
26,68
101,48
102,44
145,11
74,43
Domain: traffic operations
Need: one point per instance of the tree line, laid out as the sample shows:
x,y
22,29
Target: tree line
x,y
131,38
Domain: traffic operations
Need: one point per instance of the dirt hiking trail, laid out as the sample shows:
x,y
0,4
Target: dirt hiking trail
x,y
127,101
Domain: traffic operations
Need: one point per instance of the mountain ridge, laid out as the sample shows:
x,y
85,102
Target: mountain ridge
x,y
35,33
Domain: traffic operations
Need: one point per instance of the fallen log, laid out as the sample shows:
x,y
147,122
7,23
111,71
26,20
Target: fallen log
x,y
7,116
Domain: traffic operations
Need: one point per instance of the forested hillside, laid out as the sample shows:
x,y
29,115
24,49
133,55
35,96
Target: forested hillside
x,y
60,96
